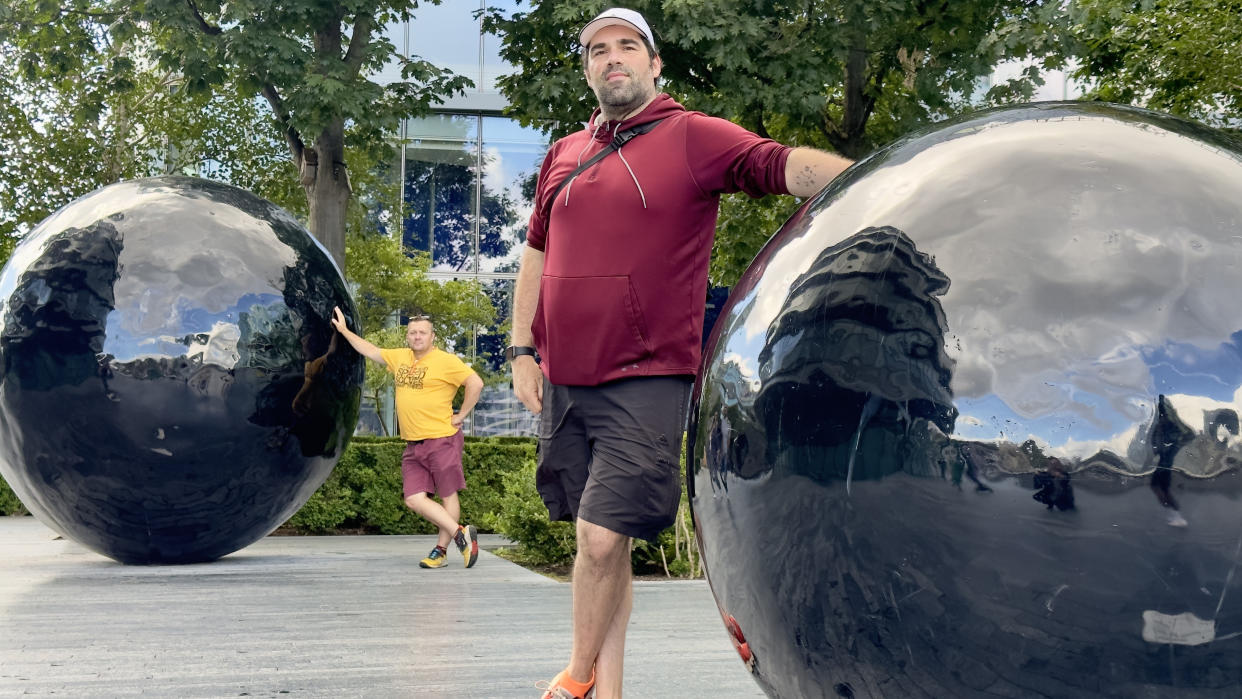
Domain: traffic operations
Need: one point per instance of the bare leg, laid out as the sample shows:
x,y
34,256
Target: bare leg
x,y
609,666
437,514
601,589
453,507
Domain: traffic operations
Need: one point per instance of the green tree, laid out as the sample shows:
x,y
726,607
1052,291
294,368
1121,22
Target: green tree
x,y
87,104
110,117
843,75
1179,56
392,281
312,61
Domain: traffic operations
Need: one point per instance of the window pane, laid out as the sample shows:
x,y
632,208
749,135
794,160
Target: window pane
x,y
381,202
491,341
498,411
439,190
511,159
445,35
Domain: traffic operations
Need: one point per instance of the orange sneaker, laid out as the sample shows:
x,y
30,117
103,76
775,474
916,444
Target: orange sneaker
x,y
565,687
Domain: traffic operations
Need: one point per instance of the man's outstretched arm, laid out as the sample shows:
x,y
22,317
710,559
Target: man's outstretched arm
x,y
809,170
364,348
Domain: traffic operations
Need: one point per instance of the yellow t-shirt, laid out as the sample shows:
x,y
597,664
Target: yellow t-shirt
x,y
425,390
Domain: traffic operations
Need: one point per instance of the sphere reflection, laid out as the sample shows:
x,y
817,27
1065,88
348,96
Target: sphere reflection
x,y
968,426
170,387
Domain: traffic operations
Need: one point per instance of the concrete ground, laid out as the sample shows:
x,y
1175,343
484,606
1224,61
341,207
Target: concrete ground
x,y
349,616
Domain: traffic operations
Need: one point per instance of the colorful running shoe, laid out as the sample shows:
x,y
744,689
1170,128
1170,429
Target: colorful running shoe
x,y
467,540
438,558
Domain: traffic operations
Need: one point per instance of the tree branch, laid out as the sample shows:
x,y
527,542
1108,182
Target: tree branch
x,y
363,23
209,29
296,146
755,119
924,9
163,85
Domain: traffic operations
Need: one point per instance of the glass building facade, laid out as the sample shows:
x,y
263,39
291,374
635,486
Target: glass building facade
x,y
468,174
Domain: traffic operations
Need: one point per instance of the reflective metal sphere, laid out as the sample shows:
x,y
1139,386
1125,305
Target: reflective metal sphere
x,y
968,426
171,389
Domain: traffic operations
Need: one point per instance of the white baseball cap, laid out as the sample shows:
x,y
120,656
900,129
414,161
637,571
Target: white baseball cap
x,y
617,16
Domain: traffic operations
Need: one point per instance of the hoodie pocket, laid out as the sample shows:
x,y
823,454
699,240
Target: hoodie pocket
x,y
591,329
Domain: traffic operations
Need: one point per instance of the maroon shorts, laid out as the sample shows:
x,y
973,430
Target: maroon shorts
x,y
609,454
433,466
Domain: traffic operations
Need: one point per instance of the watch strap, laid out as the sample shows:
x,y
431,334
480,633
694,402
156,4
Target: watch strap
x,y
514,351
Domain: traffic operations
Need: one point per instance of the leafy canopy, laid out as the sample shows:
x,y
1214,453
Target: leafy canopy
x,y
842,75
96,92
74,121
314,63
1179,56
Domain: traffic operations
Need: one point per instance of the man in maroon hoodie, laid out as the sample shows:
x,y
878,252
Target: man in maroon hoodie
x,y
611,295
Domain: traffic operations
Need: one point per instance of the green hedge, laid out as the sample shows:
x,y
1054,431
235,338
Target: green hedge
x,y
364,491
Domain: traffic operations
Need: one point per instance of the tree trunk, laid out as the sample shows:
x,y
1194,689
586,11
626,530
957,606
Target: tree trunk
x,y
326,182
848,137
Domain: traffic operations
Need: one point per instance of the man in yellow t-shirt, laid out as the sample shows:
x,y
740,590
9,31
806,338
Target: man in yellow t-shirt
x,y
427,378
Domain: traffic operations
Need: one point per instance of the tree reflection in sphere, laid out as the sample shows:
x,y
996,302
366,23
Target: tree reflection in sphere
x,y
968,425
171,388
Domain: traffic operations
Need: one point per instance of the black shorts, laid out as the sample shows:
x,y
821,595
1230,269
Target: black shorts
x,y
609,454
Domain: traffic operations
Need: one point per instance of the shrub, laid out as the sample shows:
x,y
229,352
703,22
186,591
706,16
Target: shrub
x,y
9,504
491,463
522,517
364,491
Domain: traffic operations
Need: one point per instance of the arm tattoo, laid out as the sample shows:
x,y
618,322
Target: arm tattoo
x,y
806,178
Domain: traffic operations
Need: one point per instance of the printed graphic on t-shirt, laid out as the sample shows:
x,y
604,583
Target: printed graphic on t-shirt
x,y
411,376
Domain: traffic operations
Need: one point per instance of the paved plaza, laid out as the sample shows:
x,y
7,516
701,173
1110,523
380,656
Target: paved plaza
x,y
348,616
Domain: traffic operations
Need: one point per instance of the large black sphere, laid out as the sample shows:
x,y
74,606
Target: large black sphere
x,y
171,389
969,424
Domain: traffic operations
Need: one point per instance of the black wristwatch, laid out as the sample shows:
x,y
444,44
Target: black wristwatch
x,y
512,352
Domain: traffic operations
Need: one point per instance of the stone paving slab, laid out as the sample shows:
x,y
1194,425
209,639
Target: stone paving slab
x,y
350,616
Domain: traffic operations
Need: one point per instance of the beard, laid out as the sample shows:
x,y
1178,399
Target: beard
x,y
624,97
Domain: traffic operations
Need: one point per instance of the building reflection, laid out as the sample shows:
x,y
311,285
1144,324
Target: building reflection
x,y
1166,444
55,320
863,326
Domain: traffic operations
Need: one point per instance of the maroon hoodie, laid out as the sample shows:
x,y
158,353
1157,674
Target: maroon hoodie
x,y
626,243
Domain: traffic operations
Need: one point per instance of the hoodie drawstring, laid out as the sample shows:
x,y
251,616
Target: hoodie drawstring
x,y
630,169
633,177
584,147
625,162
